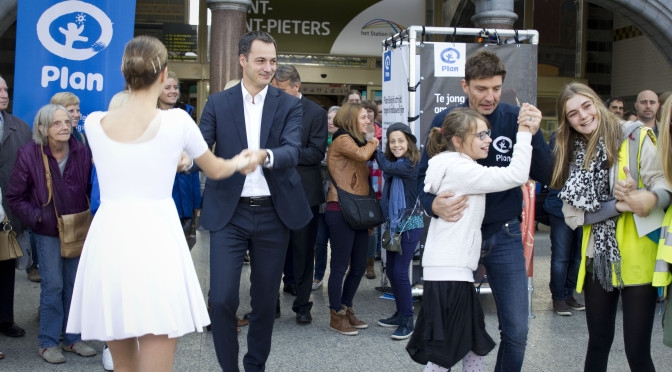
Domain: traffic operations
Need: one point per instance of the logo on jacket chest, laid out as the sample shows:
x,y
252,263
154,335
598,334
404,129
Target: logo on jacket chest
x,y
503,145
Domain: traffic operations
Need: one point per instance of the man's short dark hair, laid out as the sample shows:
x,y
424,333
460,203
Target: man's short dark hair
x,y
612,100
287,73
246,41
483,64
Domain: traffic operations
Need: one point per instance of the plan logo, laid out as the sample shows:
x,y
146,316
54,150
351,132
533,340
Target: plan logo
x,y
74,30
449,59
450,55
387,66
502,144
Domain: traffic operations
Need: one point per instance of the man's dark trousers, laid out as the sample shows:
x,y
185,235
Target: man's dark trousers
x,y
260,230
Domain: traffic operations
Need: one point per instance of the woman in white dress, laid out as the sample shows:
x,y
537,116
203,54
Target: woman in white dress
x,y
140,309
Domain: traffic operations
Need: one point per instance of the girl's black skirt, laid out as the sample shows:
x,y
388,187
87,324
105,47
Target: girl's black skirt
x,y
450,324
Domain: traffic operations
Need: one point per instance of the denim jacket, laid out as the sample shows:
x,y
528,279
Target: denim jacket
x,y
27,193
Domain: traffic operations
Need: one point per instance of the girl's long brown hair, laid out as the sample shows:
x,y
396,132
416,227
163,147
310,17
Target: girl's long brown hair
x,y
608,129
664,139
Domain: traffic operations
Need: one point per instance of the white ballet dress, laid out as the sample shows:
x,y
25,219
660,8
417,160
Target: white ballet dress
x,y
136,275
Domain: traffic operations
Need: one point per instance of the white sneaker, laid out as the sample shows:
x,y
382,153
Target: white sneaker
x,y
107,359
317,284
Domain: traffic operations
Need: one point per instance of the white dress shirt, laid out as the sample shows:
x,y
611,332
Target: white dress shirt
x,y
255,182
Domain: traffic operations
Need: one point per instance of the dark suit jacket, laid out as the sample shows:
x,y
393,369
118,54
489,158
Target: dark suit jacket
x,y
223,123
311,153
16,134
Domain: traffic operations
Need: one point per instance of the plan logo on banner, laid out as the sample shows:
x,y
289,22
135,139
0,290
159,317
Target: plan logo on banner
x,y
74,23
449,59
66,31
71,46
387,66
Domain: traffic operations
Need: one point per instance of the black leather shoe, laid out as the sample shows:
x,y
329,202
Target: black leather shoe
x,y
304,318
290,288
11,329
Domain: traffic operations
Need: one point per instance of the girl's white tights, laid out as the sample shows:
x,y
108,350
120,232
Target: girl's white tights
x,y
470,363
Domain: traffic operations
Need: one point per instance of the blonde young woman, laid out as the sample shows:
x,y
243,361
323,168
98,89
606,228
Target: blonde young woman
x,y
593,167
140,310
664,247
186,187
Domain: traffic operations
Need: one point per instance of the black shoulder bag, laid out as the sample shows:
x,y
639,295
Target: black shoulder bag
x,y
361,212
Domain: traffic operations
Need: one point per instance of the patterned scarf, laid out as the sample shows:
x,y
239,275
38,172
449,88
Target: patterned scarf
x,y
585,190
397,201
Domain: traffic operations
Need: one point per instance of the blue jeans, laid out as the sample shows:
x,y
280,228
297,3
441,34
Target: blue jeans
x,y
505,264
565,258
58,280
397,270
321,247
348,248
33,250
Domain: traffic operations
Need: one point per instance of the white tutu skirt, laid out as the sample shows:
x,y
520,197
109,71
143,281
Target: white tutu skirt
x,y
136,275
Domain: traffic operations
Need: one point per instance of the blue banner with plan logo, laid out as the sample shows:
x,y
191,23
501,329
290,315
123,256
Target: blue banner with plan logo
x,y
70,46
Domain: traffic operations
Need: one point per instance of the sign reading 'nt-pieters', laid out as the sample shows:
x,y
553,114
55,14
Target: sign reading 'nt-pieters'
x,y
345,27
73,46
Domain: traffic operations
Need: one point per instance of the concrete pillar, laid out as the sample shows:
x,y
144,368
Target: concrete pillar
x,y
229,19
494,14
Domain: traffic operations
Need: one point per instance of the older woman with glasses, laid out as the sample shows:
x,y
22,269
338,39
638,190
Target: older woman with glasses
x,y
28,197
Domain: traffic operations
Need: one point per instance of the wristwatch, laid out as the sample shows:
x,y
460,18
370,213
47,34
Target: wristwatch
x,y
267,162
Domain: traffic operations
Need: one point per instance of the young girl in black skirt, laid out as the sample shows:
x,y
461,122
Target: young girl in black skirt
x,y
451,325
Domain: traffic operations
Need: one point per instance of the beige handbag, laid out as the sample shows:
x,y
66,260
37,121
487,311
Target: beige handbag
x,y
72,228
9,247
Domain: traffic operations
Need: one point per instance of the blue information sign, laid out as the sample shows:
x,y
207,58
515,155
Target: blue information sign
x,y
70,46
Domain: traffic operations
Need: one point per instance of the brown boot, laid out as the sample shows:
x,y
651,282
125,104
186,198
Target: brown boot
x,y
350,315
370,269
339,323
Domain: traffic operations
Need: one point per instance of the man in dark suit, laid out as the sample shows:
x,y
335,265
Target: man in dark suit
x,y
14,133
255,210
301,251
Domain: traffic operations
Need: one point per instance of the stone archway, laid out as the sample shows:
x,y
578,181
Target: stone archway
x,y
652,17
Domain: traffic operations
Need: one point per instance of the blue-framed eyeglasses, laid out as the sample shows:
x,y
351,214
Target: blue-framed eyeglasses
x,y
483,135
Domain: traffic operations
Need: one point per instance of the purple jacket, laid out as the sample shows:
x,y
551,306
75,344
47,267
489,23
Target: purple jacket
x,y
28,193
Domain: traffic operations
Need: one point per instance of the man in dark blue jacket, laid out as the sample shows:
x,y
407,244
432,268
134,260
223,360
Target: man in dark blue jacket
x,y
256,209
301,251
502,240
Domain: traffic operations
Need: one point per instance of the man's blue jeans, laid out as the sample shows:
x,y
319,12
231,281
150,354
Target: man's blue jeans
x,y
505,264
565,258
58,279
